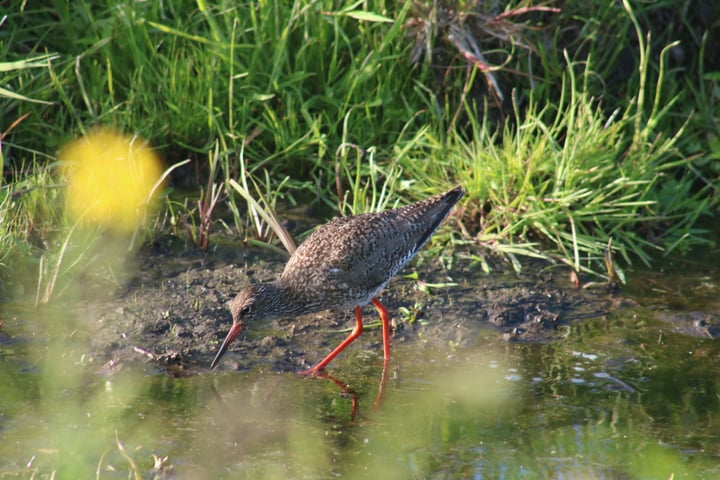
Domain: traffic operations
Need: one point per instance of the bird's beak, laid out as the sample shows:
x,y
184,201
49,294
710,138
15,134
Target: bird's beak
x,y
234,332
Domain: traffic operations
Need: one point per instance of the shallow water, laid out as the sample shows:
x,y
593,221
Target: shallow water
x,y
632,394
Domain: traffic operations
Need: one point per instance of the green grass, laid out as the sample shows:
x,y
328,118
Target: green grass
x,y
565,180
584,130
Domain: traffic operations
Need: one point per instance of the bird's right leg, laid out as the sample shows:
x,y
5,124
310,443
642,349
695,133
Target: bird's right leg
x,y
350,338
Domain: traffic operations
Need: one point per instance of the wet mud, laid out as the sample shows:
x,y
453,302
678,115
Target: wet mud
x,y
172,313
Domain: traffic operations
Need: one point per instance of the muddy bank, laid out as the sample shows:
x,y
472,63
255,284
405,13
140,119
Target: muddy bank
x,y
171,313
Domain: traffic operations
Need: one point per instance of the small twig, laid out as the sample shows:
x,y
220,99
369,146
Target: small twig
x,y
523,10
13,125
100,462
147,353
133,466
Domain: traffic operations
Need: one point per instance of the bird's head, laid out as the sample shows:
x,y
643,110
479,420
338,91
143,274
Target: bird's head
x,y
255,302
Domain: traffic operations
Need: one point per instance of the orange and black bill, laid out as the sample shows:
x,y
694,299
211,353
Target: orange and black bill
x,y
234,332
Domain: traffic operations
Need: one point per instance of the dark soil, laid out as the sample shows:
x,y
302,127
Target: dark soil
x,y
173,312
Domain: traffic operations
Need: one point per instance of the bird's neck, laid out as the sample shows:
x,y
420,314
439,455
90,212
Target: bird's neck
x,y
292,299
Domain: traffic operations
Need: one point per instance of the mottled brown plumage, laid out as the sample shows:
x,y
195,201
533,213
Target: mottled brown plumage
x,y
344,263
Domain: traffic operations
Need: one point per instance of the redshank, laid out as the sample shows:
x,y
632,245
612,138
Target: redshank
x,y
345,263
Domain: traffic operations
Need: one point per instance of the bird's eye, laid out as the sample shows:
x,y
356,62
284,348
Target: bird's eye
x,y
246,310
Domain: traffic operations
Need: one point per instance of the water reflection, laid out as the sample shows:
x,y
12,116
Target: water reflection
x,y
618,397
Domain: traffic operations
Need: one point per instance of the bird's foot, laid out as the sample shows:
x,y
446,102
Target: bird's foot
x,y
313,372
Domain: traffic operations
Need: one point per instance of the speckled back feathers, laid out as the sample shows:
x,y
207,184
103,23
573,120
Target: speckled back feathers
x,y
347,261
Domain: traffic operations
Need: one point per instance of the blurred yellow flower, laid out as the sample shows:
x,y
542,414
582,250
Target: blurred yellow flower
x,y
110,178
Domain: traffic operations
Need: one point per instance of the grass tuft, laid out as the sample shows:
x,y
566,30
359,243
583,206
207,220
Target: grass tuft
x,y
572,128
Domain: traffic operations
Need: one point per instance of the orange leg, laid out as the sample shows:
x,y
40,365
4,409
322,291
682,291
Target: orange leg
x,y
347,392
385,318
381,385
350,338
